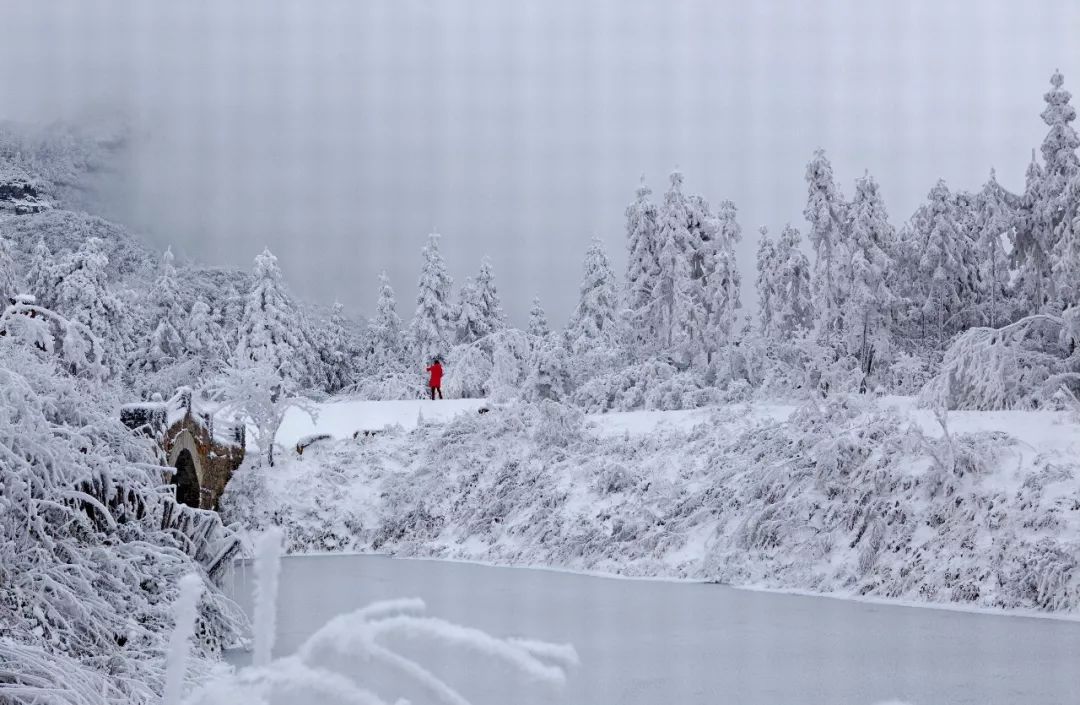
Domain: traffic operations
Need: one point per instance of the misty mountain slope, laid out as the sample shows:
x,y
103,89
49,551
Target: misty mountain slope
x,y
851,498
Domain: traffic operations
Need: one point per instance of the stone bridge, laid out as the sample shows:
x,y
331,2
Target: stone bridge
x,y
203,452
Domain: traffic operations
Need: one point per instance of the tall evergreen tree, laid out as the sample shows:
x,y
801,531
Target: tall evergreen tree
x,y
337,351
433,323
1046,201
164,345
944,266
9,277
538,322
995,226
827,214
721,280
272,332
205,336
767,271
387,349
40,275
642,264
491,311
865,308
594,324
675,296
84,295
471,325
1066,254
792,299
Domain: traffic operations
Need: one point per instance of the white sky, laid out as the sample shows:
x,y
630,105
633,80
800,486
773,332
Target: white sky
x,y
340,133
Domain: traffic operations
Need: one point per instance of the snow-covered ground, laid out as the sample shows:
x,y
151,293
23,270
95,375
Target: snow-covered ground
x,y
656,642
341,419
856,497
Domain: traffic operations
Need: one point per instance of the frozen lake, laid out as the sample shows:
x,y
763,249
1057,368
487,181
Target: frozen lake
x,y
668,643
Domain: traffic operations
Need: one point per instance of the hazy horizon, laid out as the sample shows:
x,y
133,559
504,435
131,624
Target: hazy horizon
x,y
341,134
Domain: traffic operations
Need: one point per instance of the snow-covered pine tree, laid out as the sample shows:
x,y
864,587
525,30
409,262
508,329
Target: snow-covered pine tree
x,y
1046,201
9,277
767,271
675,288
387,348
469,323
792,302
642,264
163,347
538,322
337,351
205,338
491,310
272,333
995,225
594,324
39,277
84,295
1066,253
944,270
865,308
721,281
826,212
433,323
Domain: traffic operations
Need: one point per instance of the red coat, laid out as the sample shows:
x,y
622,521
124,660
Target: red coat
x,y
436,375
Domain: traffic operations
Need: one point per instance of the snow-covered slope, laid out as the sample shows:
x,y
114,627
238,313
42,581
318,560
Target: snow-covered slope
x,y
853,497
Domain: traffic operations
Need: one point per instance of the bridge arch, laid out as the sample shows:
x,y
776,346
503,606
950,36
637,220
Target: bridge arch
x,y
189,478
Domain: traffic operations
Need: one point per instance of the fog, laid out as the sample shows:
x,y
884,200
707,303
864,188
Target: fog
x,y
340,133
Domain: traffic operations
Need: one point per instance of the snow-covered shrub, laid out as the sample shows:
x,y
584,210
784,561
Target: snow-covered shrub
x,y
391,384
847,495
549,372
92,544
468,368
1017,366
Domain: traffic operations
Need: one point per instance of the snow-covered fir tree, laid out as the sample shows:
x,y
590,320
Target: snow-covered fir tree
x,y
39,276
204,335
594,324
490,306
337,350
865,308
387,346
944,294
995,232
272,333
1066,253
642,264
1046,201
766,283
83,294
792,302
675,291
721,281
826,212
470,324
164,346
9,277
433,323
538,322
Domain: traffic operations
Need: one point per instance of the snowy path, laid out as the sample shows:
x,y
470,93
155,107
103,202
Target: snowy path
x,y
667,643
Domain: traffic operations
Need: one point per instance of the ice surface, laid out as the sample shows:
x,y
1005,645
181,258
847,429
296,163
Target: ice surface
x,y
647,641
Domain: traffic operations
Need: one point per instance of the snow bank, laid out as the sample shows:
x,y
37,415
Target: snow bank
x,y
854,498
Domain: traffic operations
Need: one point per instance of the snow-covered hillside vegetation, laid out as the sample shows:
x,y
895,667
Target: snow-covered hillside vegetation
x,y
849,496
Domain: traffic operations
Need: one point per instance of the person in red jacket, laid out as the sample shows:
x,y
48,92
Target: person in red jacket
x,y
435,381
